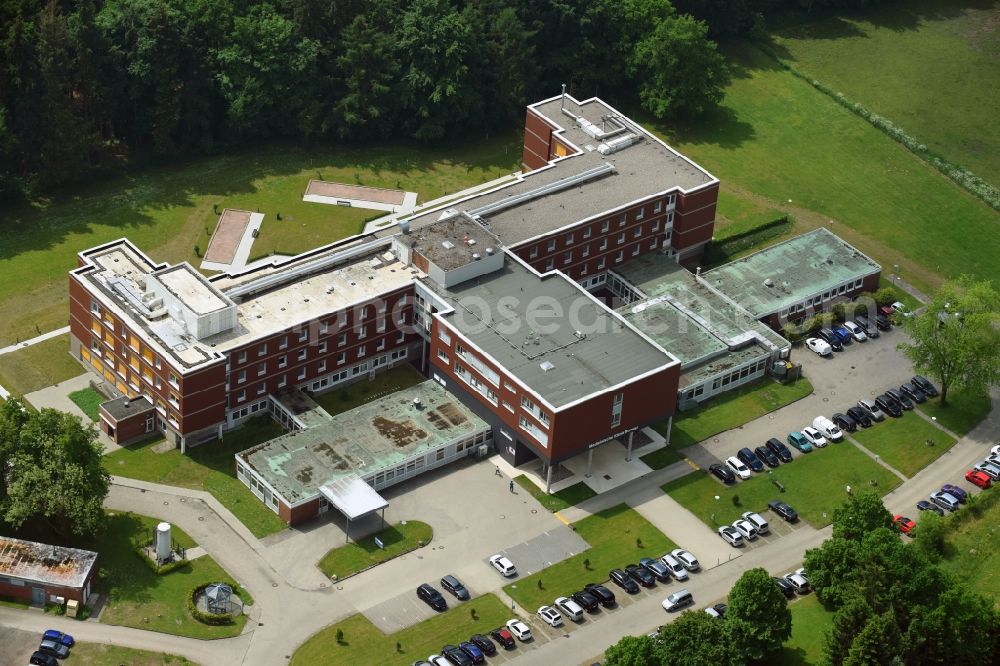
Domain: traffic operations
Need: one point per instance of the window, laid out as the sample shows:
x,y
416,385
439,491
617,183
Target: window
x,y
616,409
621,220
443,356
600,264
508,406
362,351
302,355
303,335
635,250
241,376
587,232
95,308
671,199
284,342
261,388
341,358
549,265
174,400
670,217
585,251
321,367
638,232
621,238
363,331
262,350
567,258
605,225
533,253
552,245
323,327
657,207
241,357
380,326
443,334
133,342
641,213
619,256
603,245
655,227
342,340
381,345
570,237
302,373
402,319
653,243
322,347
282,361
282,380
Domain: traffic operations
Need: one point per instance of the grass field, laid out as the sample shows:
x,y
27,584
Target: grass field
x,y
392,380
364,643
166,211
102,654
617,536
814,485
778,137
962,413
972,547
930,66
38,366
208,467
563,499
89,401
732,409
810,622
396,540
902,442
737,214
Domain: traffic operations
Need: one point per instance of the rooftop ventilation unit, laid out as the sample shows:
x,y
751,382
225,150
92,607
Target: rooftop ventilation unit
x,y
546,366
559,185
448,245
416,403
470,241
477,256
768,282
490,251
615,145
404,226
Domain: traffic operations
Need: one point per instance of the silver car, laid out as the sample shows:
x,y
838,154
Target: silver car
x,y
872,410
945,500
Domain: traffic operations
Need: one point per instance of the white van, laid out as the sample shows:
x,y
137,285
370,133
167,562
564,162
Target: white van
x,y
677,600
828,428
674,567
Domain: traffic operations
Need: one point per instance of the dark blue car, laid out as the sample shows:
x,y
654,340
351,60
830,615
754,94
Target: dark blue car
x,y
750,459
473,651
58,637
843,334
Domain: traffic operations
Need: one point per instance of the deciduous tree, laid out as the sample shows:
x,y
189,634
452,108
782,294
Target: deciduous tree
x,y
631,651
693,639
861,514
758,616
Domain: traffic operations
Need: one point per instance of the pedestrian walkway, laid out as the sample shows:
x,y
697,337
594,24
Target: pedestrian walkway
x,y
908,288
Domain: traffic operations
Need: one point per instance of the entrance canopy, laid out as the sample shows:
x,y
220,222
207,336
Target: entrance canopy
x,y
353,497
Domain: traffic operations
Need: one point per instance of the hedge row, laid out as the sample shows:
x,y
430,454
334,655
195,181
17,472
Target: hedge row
x,y
202,616
157,568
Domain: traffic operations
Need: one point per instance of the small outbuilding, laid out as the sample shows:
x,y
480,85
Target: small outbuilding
x,y
42,574
126,420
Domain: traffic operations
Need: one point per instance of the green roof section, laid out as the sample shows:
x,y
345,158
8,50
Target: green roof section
x,y
377,435
789,272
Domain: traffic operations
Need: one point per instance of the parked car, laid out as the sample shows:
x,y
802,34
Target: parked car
x,y
796,439
731,536
717,611
606,596
503,636
748,531
945,500
871,409
519,629
904,524
550,616
748,458
860,416
439,660
587,599
738,467
58,637
42,659
431,597
456,656
785,587
843,335
882,321
722,473
828,428
956,492
855,331
831,338
924,505
689,561
913,392
623,580
797,581
570,608
472,650
888,405
503,565
641,575
674,567
776,447
814,437
925,385
871,330
901,399
757,521
657,568
978,478
844,422
765,454
783,510
991,469
820,346
888,395
454,585
55,649
483,643
677,600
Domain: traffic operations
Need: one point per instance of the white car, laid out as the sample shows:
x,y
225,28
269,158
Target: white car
x,y
674,567
737,466
519,629
989,468
731,536
901,309
821,347
814,436
757,521
503,565
550,616
689,561
995,450
798,581
801,572
744,527
856,331
570,608
438,660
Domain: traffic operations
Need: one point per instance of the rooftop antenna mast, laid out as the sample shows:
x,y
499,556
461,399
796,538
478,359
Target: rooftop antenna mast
x,y
562,100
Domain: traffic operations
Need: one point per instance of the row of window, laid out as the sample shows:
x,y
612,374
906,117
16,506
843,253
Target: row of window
x,y
570,238
602,263
103,329
825,296
740,374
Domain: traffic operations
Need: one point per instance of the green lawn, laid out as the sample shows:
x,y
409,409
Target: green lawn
x,y
617,536
732,409
38,366
963,412
738,214
563,499
778,137
168,210
139,598
396,540
928,65
660,458
810,622
209,467
102,654
903,297
814,485
364,643
89,401
972,549
902,442
360,393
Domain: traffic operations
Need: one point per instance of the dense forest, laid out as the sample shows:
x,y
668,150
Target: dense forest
x,y
87,86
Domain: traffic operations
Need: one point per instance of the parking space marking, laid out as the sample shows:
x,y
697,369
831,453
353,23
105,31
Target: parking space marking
x,y
693,465
561,519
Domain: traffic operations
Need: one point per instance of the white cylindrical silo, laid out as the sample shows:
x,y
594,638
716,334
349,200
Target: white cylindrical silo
x,y
163,541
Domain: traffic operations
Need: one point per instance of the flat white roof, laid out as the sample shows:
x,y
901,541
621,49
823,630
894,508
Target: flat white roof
x,y
192,289
352,496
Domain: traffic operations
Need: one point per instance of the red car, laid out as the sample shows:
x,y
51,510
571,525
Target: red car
x,y
904,524
977,478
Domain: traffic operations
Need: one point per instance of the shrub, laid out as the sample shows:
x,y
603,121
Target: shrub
x,y
203,617
886,296
163,568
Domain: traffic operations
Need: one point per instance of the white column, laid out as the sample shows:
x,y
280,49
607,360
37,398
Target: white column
x,y
590,461
628,457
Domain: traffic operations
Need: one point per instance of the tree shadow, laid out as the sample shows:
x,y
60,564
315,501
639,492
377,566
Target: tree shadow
x,y
833,23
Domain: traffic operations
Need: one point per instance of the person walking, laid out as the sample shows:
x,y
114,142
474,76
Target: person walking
x,y
497,473
512,485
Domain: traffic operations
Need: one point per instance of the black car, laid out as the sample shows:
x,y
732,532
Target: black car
x,y
831,338
454,585
657,568
860,416
924,505
888,405
641,574
43,659
914,392
431,597
484,644
786,588
764,454
901,398
924,385
587,599
747,457
844,422
718,610
722,473
623,580
778,448
55,649
865,323
606,596
783,510
882,321
456,655
503,636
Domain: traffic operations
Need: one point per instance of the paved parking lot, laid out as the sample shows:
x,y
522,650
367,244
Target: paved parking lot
x,y
16,646
544,550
